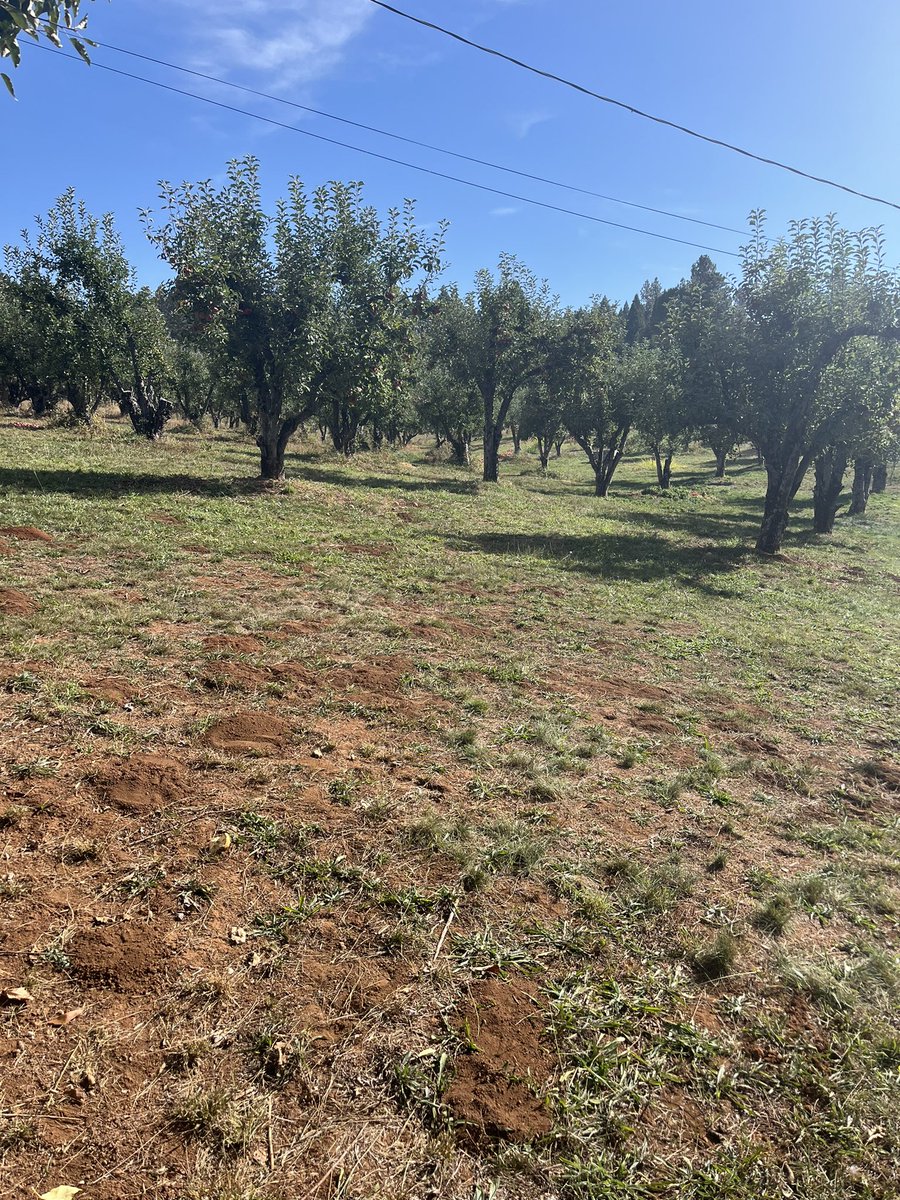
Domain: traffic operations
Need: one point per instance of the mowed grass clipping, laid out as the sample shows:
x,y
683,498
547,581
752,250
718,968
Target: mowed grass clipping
x,y
387,834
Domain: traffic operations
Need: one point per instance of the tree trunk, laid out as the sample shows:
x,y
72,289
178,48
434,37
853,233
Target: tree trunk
x,y
516,437
272,439
879,478
830,468
460,444
784,480
492,436
559,445
663,468
721,453
544,445
863,470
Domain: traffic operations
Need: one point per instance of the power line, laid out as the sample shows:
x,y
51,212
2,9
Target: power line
x,y
319,137
637,112
662,212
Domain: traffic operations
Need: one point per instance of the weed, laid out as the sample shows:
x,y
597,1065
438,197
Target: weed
x,y
228,1123
716,957
718,862
775,914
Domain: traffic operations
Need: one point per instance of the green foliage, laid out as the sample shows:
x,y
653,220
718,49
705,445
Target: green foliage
x,y
36,19
314,304
75,327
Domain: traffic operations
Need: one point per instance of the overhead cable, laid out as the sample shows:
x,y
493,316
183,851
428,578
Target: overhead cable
x,y
318,112
319,137
637,112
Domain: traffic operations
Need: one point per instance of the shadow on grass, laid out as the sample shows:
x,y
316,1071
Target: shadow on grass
x,y
622,556
343,478
120,483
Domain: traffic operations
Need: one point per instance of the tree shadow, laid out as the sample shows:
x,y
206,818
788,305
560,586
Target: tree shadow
x,y
118,483
343,479
634,557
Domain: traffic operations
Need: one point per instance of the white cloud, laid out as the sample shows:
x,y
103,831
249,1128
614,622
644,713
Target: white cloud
x,y
304,43
504,212
522,123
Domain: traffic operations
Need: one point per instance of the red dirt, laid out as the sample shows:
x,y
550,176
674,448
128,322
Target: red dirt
x,y
236,643
243,678
248,733
164,518
651,723
125,955
17,604
26,533
490,1091
113,690
144,783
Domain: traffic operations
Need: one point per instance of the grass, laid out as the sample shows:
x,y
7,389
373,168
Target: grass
x,y
595,750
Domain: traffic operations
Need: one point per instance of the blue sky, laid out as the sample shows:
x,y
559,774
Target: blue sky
x,y
811,82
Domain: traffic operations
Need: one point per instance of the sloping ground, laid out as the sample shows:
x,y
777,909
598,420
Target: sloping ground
x,y
389,837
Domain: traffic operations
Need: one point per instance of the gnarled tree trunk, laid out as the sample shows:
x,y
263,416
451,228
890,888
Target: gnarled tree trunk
x,y
863,470
784,479
830,468
879,478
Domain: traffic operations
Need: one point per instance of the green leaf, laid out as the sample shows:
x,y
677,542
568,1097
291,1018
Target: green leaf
x,y
9,87
17,19
79,46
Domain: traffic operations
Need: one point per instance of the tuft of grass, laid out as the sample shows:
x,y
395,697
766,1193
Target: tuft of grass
x,y
716,957
775,914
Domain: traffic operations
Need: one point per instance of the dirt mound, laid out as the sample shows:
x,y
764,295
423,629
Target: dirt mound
x,y
145,783
113,690
237,644
878,771
17,604
26,533
377,681
248,733
495,1089
652,723
124,956
243,678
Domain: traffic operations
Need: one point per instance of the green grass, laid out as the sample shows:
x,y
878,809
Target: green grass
x,y
607,750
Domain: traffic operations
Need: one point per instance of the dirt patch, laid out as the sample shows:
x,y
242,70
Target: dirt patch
x,y
145,783
248,733
26,533
125,955
236,643
652,723
16,604
495,1091
164,518
878,771
243,678
113,690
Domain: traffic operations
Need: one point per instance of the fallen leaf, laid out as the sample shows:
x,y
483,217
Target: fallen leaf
x,y
63,1192
17,995
66,1018
237,936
